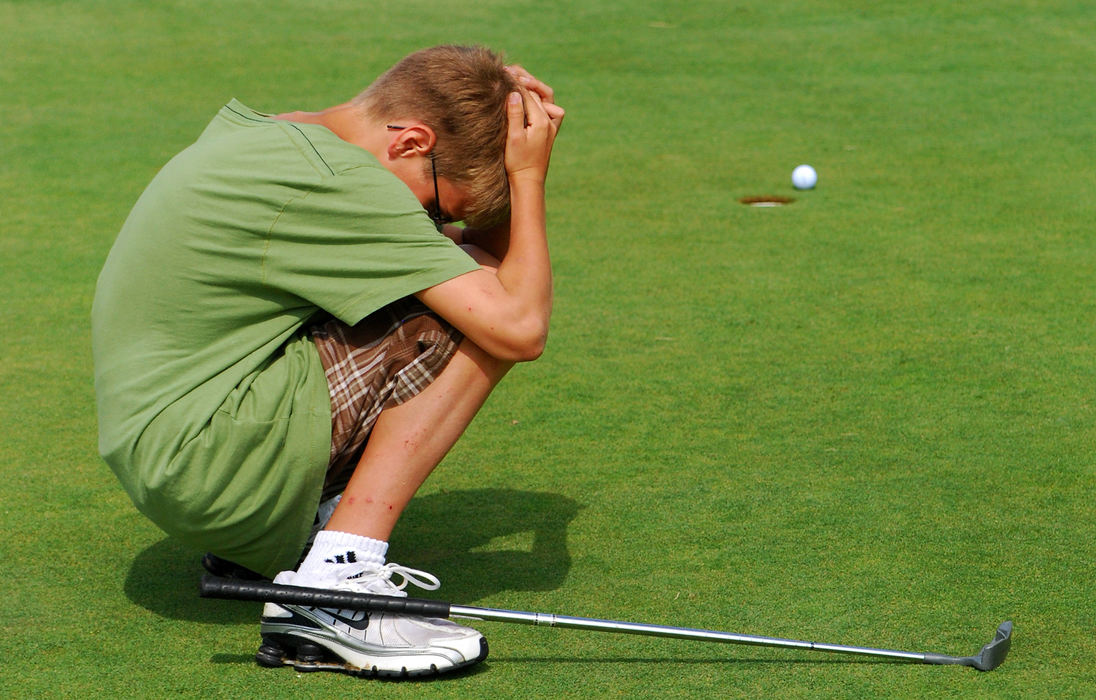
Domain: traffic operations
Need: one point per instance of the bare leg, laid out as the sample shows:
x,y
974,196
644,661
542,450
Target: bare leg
x,y
409,440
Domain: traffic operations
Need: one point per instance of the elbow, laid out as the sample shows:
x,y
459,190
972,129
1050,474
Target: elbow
x,y
528,342
533,350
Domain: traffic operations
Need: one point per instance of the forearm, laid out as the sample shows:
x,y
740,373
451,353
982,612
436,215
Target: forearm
x,y
525,269
530,266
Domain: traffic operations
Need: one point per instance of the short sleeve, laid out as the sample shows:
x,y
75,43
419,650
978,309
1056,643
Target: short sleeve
x,y
356,242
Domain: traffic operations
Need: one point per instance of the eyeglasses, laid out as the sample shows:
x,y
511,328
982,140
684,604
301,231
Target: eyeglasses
x,y
434,212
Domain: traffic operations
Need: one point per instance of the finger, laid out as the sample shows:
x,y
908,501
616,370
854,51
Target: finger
x,y
536,110
515,115
517,70
555,112
539,112
544,112
529,81
539,87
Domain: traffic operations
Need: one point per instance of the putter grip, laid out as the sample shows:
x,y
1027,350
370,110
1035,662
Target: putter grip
x,y
266,592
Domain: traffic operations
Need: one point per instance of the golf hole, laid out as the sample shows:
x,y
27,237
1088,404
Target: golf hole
x,y
766,200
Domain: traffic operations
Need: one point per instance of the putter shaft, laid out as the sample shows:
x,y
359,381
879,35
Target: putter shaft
x,y
587,623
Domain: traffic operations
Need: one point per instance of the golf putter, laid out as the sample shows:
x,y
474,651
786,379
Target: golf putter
x,y
990,657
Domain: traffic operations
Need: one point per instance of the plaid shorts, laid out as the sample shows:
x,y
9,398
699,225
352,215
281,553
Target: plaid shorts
x,y
386,359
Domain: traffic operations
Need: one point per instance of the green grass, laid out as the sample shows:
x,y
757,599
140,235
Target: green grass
x,y
863,418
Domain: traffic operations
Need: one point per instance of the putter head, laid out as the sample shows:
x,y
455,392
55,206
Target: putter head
x,y
991,656
994,653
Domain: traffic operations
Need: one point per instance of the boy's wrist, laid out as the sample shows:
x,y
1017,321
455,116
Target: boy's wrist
x,y
525,178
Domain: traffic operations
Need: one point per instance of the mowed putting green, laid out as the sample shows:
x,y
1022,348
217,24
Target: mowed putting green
x,y
864,417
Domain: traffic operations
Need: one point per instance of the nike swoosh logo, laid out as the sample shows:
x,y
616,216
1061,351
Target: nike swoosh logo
x,y
359,625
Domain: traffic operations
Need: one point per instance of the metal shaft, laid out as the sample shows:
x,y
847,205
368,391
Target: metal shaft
x,y
586,623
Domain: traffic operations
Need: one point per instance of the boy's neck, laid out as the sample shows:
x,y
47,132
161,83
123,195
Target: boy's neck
x,y
348,122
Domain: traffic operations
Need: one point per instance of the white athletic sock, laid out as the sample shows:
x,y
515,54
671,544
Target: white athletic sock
x,y
330,550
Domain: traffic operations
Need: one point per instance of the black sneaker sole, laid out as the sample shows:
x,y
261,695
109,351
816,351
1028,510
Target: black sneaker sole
x,y
229,569
279,650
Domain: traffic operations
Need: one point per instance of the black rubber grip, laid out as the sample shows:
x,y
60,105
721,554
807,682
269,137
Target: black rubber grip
x,y
266,592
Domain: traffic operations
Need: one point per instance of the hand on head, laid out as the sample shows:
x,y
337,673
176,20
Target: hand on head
x,y
534,120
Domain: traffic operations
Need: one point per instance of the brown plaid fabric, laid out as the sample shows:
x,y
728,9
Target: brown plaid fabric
x,y
384,360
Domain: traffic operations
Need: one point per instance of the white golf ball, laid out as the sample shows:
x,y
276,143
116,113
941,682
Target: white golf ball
x,y
804,177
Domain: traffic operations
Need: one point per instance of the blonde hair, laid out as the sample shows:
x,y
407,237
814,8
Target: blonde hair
x,y
460,92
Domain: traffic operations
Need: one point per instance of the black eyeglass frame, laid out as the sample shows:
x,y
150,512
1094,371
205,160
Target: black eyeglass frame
x,y
434,212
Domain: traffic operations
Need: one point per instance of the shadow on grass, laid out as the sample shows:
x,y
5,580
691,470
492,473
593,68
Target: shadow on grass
x,y
477,542
485,541
164,579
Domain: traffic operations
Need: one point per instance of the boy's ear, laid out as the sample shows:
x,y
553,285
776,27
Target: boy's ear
x,y
412,140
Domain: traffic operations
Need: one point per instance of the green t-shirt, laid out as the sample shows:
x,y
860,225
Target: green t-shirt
x,y
213,407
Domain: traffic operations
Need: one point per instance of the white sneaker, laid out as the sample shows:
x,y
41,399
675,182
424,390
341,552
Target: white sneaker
x,y
362,643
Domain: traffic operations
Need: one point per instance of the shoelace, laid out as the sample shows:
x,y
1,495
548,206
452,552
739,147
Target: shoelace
x,y
378,580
